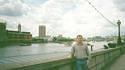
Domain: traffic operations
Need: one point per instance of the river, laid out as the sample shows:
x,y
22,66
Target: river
x,y
41,49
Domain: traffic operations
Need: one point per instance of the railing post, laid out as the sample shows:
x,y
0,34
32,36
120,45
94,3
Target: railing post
x,y
91,47
96,63
120,50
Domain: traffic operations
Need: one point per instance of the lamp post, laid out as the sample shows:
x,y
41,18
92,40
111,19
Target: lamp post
x,y
119,37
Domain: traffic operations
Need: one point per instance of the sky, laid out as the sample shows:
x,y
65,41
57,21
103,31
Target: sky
x,y
66,17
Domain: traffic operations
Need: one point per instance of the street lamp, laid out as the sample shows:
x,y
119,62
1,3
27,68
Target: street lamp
x,y
119,37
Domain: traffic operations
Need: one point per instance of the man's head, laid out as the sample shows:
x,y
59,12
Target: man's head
x,y
79,38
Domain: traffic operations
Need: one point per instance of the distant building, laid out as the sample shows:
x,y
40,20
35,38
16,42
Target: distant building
x,y
42,31
2,26
96,38
19,27
3,35
17,37
7,36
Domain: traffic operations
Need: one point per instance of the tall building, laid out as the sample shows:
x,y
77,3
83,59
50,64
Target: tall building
x,y
42,31
2,26
19,27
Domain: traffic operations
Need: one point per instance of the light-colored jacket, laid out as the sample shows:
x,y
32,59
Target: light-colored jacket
x,y
80,52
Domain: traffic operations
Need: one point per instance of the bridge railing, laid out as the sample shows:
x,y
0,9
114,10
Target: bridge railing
x,y
99,60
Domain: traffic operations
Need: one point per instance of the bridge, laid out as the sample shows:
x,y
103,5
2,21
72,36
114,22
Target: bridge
x,y
105,59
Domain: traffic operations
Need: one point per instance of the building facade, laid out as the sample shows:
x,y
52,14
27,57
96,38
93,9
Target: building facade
x,y
19,37
7,36
42,31
3,35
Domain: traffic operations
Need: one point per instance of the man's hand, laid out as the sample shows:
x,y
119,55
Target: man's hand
x,y
88,62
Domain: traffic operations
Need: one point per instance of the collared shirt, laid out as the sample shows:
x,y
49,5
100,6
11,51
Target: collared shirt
x,y
80,52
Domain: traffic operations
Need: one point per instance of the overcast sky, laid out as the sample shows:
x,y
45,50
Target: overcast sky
x,y
66,17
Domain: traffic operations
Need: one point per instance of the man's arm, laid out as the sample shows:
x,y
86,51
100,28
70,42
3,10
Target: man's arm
x,y
72,52
88,53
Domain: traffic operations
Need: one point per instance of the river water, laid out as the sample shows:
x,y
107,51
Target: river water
x,y
41,49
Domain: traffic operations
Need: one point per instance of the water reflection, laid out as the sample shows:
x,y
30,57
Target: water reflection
x,y
34,49
40,49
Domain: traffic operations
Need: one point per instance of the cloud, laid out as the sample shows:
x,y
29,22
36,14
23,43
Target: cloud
x,y
120,4
67,17
52,12
34,2
12,8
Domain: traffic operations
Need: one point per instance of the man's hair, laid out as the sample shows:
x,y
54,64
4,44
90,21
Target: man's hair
x,y
79,36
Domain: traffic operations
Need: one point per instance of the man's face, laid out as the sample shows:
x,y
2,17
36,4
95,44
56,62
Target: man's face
x,y
79,39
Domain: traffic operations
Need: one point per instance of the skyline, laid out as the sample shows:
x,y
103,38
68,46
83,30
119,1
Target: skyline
x,y
67,17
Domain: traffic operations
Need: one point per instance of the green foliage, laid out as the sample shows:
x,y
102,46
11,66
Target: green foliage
x,y
34,40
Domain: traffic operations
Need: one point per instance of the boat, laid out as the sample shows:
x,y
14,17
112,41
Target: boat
x,y
24,44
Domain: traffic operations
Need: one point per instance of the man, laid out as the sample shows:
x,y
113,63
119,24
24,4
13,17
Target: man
x,y
81,53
